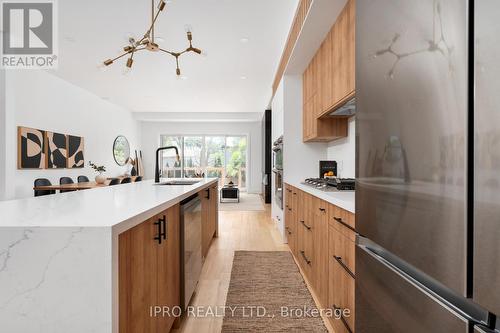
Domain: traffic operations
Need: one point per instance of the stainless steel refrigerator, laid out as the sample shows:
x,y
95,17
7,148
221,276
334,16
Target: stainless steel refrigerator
x,y
428,166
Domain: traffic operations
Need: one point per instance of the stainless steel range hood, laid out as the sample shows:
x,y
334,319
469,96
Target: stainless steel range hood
x,y
346,110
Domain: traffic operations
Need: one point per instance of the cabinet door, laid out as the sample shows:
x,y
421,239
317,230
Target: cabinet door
x,y
214,212
341,286
296,207
305,244
343,54
168,269
138,274
320,240
205,220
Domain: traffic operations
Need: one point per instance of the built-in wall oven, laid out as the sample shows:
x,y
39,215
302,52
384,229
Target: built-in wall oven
x,y
278,171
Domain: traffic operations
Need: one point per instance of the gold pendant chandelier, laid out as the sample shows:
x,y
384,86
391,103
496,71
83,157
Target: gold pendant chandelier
x,y
147,42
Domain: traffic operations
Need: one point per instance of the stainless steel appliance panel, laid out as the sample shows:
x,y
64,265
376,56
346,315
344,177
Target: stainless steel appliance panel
x,y
388,302
487,156
191,257
411,100
480,329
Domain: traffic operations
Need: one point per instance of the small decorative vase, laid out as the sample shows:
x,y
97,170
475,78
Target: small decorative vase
x,y
100,178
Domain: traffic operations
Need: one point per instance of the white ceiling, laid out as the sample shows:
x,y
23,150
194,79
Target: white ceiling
x,y
91,31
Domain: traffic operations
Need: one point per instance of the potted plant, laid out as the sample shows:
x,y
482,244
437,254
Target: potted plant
x,y
99,169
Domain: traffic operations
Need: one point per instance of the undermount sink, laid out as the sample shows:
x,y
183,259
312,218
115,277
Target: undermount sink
x,y
179,182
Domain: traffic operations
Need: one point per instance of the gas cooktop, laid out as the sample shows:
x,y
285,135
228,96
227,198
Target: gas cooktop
x,y
331,184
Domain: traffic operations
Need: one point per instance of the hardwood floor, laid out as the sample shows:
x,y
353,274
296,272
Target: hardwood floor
x,y
238,230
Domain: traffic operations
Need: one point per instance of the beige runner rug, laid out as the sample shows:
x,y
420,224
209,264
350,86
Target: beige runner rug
x,y
268,294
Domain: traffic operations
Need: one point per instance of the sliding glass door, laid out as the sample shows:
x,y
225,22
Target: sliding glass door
x,y
215,157
224,157
236,158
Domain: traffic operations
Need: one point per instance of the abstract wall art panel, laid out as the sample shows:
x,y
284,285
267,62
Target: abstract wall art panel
x,y
75,152
30,148
56,150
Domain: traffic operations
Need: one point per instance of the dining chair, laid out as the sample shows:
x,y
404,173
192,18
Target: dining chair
x,y
114,181
126,180
83,179
138,179
43,182
65,181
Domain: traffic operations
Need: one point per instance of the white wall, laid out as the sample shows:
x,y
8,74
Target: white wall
x,y
151,132
41,100
344,152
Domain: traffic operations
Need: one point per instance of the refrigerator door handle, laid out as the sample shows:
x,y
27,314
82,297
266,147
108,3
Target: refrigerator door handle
x,y
433,289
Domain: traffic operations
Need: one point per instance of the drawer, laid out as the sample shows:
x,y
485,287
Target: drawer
x,y
341,296
319,206
307,201
292,237
341,248
342,220
305,245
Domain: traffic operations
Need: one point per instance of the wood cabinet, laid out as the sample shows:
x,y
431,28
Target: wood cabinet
x,y
329,80
322,239
210,217
341,256
149,266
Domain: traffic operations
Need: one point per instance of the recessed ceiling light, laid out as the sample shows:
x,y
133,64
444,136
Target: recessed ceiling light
x,y
244,40
243,77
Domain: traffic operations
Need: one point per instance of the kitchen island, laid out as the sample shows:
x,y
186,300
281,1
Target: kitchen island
x,y
59,258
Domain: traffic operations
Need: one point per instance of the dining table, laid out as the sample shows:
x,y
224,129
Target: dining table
x,y
77,186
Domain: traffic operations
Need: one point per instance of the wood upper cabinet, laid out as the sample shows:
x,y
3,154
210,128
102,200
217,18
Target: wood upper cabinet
x,y
210,217
329,80
148,272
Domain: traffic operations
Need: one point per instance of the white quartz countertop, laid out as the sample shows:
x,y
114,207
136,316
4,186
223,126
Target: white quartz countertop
x,y
100,207
343,199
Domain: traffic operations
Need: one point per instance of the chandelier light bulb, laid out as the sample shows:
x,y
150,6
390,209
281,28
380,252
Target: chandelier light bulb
x,y
161,5
108,62
130,62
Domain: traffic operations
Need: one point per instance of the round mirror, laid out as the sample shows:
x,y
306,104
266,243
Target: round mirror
x,y
121,150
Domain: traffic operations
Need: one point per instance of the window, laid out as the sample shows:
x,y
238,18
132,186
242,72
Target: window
x,y
224,157
170,167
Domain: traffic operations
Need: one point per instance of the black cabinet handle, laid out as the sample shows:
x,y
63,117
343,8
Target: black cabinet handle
x,y
339,220
294,193
322,210
162,229
305,225
344,266
289,209
335,307
303,253
208,193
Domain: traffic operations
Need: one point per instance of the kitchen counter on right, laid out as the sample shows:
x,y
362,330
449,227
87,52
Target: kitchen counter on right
x,y
342,199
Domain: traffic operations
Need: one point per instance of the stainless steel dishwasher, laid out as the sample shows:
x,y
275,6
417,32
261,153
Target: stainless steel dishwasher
x,y
191,258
